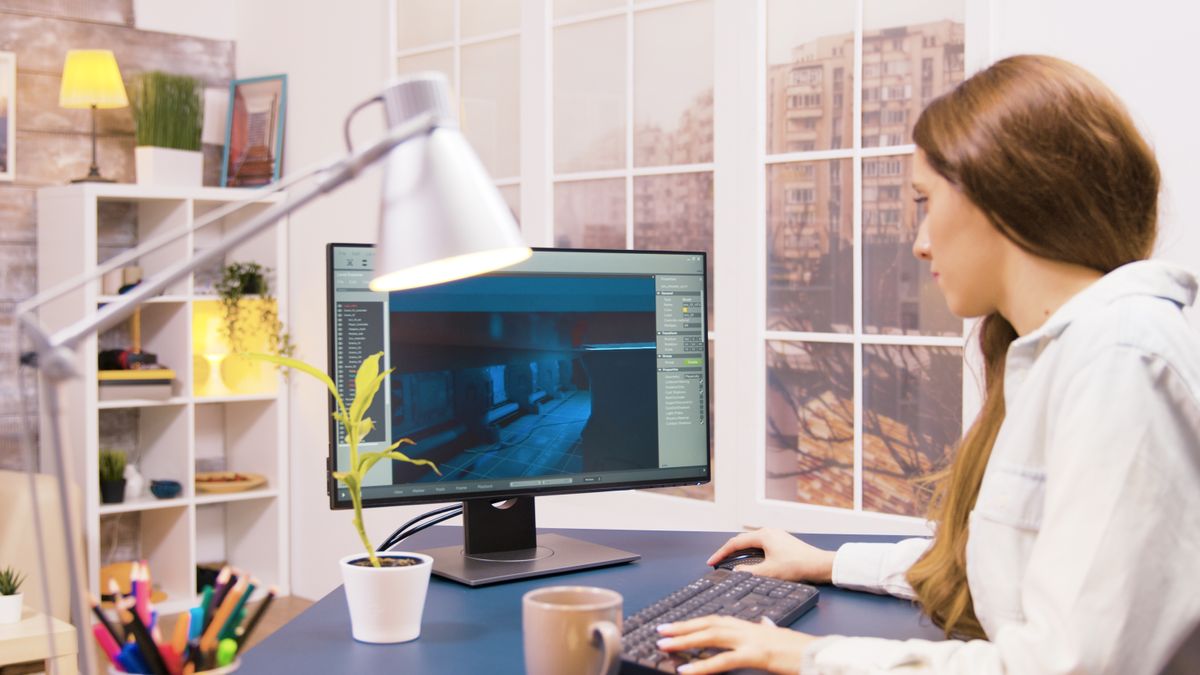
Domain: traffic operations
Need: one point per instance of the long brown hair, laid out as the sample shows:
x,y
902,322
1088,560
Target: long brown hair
x,y
1052,158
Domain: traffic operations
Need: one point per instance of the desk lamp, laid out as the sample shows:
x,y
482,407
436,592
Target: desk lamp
x,y
441,219
91,79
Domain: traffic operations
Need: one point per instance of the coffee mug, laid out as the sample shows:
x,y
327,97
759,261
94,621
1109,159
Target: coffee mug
x,y
572,629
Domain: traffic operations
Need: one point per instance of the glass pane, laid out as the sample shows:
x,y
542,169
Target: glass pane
x,y
512,197
482,17
912,52
569,8
810,69
590,214
441,61
810,423
491,106
912,420
423,22
810,262
589,96
673,85
707,491
900,296
675,213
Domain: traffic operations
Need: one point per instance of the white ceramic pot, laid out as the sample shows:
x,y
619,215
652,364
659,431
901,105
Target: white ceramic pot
x,y
10,608
386,603
167,166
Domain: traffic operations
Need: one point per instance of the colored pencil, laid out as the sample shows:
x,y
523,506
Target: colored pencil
x,y
117,636
146,645
214,598
235,618
208,641
257,616
108,644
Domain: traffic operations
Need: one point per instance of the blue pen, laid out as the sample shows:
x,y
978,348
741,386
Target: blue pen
x,y
131,655
196,624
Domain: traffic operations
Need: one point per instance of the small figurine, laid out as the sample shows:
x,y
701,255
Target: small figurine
x,y
134,483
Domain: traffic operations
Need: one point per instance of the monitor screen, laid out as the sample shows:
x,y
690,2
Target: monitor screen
x,y
573,371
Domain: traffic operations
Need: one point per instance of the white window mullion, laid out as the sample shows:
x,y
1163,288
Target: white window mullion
x,y
629,56
857,249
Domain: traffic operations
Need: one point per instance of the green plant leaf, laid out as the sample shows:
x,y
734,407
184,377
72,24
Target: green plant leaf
x,y
363,397
369,459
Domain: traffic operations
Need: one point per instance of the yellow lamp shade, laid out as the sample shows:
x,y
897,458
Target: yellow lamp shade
x,y
91,78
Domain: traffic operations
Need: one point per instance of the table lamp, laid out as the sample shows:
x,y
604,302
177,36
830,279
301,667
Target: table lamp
x,y
441,218
91,79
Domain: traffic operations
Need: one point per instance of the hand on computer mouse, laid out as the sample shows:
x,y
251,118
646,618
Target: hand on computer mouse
x,y
787,557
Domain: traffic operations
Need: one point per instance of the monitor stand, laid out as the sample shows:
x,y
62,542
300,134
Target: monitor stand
x,y
501,544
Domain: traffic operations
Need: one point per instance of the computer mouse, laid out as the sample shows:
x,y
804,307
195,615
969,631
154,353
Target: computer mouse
x,y
743,556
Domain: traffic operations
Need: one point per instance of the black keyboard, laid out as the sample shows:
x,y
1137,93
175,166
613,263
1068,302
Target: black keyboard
x,y
738,594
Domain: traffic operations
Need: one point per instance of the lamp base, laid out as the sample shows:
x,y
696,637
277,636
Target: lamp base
x,y
93,179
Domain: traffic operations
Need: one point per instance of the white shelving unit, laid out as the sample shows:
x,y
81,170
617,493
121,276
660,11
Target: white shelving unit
x,y
247,433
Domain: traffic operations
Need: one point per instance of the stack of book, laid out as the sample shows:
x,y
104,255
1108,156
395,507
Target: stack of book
x,y
147,383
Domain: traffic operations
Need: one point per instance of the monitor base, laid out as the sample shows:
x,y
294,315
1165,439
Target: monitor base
x,y
554,554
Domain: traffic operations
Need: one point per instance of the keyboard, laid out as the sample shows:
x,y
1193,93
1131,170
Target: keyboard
x,y
724,592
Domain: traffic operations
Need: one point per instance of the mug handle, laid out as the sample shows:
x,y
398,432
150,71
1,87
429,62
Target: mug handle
x,y
606,635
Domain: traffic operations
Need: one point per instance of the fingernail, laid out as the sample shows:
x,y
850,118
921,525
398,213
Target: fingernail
x,y
685,668
664,643
663,627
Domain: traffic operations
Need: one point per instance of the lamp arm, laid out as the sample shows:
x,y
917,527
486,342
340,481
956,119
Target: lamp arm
x,y
29,304
66,339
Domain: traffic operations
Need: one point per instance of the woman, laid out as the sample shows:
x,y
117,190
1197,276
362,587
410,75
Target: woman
x,y
1068,526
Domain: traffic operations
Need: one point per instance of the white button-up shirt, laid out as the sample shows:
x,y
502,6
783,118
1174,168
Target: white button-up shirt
x,y
1084,543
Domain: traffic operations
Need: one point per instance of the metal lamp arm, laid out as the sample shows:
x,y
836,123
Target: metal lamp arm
x,y
338,174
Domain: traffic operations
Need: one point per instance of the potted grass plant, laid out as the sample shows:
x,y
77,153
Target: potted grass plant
x,y
10,595
168,114
112,476
385,591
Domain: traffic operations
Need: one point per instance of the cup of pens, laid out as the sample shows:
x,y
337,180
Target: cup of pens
x,y
207,638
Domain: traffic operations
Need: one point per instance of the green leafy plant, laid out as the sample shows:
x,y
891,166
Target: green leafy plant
x,y
168,110
10,581
239,280
112,465
367,382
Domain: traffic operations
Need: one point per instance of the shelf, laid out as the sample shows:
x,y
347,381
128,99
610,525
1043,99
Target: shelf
x,y
160,300
141,403
238,398
142,504
225,497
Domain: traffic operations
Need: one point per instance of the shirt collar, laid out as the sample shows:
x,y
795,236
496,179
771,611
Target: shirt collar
x,y
1153,278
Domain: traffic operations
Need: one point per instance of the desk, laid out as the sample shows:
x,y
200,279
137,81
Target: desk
x,y
478,630
26,641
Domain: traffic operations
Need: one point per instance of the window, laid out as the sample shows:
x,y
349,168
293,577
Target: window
x,y
809,76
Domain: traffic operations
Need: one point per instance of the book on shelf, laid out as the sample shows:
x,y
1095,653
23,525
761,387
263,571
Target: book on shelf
x,y
153,384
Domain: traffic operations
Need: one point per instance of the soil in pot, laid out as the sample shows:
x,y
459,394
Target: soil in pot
x,y
386,561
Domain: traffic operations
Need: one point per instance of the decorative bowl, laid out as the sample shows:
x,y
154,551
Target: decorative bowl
x,y
166,489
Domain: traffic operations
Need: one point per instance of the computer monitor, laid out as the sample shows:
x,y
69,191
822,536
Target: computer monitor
x,y
574,371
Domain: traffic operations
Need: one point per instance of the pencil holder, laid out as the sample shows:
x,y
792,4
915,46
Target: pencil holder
x,y
215,671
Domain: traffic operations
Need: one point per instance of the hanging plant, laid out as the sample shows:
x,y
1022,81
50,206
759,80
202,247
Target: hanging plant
x,y
242,319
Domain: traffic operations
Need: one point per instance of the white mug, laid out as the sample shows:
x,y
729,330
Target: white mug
x,y
572,629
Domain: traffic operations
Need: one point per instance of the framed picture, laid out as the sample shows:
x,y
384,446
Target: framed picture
x,y
8,115
254,131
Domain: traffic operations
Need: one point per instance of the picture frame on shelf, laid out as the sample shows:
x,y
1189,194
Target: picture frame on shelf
x,y
254,124
8,115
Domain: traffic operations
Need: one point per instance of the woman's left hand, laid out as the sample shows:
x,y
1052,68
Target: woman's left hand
x,y
749,645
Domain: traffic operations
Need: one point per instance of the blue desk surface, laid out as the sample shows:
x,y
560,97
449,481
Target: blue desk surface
x,y
479,629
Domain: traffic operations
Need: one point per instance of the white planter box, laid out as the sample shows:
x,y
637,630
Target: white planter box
x,y
166,166
386,603
10,608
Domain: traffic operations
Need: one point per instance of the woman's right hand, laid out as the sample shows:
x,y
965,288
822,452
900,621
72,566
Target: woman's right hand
x,y
787,557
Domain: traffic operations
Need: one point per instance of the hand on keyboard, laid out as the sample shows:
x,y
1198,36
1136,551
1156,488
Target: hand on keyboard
x,y
746,645
720,592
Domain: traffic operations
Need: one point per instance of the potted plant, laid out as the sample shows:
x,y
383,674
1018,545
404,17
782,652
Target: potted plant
x,y
10,595
246,317
385,591
168,114
112,476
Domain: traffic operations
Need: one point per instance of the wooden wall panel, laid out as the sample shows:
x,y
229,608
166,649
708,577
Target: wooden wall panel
x,y
104,11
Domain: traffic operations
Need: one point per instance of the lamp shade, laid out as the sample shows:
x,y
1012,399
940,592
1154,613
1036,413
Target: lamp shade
x,y
91,78
441,216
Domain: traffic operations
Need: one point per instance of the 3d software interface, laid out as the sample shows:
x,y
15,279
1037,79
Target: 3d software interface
x,y
570,370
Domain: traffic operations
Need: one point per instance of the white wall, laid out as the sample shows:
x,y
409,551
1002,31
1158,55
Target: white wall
x,y
213,19
337,57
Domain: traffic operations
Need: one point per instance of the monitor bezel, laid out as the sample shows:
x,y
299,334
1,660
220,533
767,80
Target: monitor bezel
x,y
331,456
